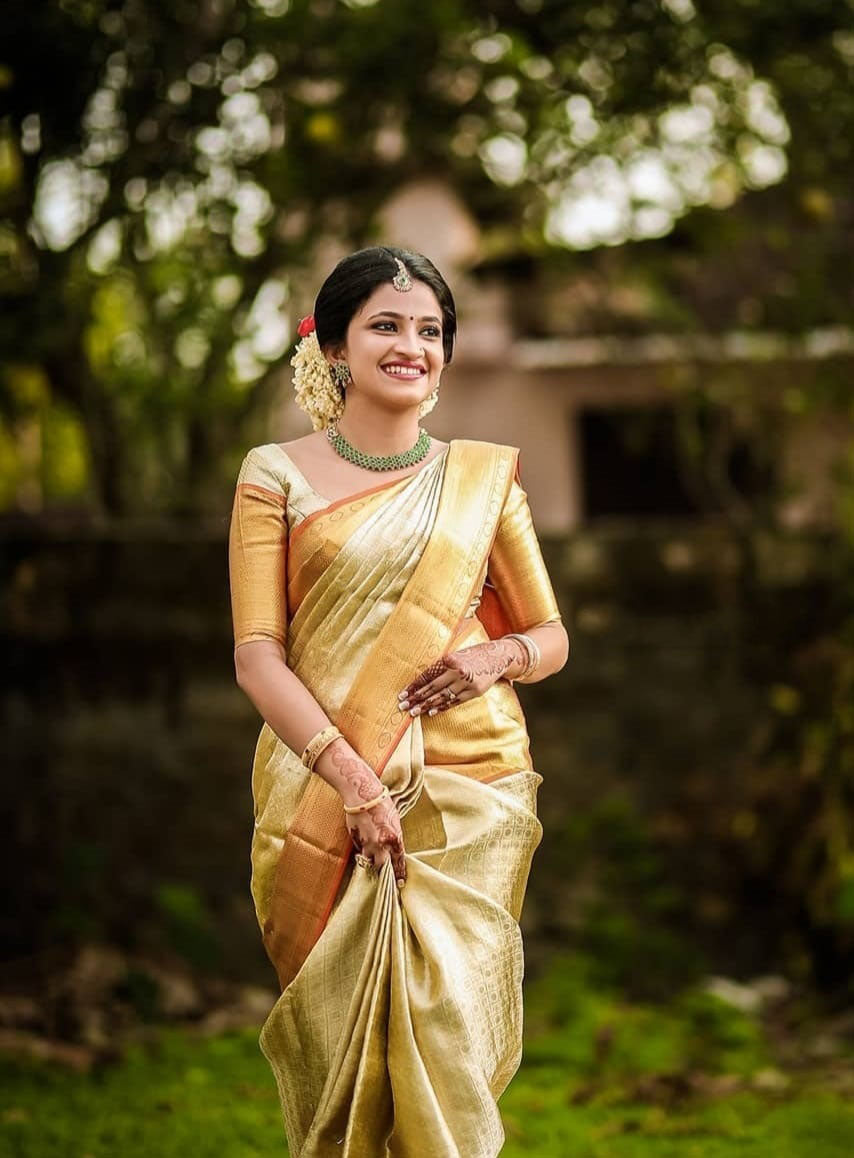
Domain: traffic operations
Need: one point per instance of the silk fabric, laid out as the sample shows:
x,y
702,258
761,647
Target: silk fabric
x,y
399,1022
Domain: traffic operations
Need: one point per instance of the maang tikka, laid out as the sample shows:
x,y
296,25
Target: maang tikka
x,y
401,280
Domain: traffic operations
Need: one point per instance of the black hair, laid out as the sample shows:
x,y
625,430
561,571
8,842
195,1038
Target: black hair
x,y
355,278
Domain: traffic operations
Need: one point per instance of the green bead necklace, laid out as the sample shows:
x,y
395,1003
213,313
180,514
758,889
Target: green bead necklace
x,y
379,461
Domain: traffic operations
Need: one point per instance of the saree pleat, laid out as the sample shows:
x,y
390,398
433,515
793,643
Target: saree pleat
x,y
400,1022
429,1028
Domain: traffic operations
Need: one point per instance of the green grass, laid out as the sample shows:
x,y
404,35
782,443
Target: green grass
x,y
178,1095
602,1078
538,1121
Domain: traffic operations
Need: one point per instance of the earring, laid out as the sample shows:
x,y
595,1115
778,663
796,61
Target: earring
x,y
340,374
429,402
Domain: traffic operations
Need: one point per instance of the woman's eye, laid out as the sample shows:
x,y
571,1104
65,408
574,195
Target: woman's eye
x,y
431,331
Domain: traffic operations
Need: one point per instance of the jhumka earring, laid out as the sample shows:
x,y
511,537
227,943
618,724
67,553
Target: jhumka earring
x,y
340,374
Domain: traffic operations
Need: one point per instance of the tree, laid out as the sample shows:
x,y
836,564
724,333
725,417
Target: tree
x,y
170,168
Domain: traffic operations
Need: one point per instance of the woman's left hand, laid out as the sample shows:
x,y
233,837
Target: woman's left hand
x,y
467,673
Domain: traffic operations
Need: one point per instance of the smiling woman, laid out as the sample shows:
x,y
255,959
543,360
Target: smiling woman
x,y
387,589
407,347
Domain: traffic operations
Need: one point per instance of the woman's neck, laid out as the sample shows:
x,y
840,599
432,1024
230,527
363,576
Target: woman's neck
x,y
376,433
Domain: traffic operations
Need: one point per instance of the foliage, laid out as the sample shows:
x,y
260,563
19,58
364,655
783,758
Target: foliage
x,y
168,174
802,762
575,1021
789,826
630,913
719,819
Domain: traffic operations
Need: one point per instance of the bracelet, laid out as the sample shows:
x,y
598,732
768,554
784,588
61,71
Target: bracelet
x,y
528,655
368,804
318,743
532,652
526,659
535,663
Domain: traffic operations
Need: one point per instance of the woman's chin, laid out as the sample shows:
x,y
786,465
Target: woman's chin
x,y
404,398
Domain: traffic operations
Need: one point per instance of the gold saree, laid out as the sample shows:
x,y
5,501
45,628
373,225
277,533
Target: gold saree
x,y
400,1019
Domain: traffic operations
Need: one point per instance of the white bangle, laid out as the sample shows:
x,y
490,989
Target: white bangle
x,y
531,650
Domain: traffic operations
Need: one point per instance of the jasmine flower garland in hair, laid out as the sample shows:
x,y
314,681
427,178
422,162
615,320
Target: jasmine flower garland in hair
x,y
315,391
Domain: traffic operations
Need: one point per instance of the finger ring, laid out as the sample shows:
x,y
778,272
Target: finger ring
x,y
450,694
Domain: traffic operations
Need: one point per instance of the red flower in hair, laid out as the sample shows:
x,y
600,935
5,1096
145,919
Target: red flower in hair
x,y
306,326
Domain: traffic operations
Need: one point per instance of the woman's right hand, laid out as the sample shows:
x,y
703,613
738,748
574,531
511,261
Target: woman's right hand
x,y
376,832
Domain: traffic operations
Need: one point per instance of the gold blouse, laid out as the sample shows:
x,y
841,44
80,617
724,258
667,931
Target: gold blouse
x,y
272,497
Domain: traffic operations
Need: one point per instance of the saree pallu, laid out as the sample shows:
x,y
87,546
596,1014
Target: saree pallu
x,y
400,1019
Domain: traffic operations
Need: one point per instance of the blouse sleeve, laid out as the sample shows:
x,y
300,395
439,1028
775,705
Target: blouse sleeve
x,y
257,551
516,568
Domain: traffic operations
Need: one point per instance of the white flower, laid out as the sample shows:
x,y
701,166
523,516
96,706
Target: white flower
x,y
315,391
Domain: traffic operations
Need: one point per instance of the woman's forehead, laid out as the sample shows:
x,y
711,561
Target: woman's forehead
x,y
420,301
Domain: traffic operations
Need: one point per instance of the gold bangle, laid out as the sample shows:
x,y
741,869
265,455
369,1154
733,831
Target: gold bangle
x,y
368,804
318,743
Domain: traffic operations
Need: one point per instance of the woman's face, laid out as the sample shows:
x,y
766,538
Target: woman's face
x,y
394,345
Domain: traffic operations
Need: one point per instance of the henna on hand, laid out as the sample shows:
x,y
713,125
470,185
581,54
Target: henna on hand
x,y
487,659
429,673
476,667
385,833
378,829
353,770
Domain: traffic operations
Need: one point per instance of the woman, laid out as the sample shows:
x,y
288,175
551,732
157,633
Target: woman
x,y
387,589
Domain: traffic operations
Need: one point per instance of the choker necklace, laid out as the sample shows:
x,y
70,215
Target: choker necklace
x,y
378,461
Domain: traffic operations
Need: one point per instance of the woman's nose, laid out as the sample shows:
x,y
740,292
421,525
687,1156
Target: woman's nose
x,y
408,343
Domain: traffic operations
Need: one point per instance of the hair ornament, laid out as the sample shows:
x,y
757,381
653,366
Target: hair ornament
x,y
314,387
401,280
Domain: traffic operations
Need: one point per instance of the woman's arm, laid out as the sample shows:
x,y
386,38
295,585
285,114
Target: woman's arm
x,y
258,553
553,641
257,560
517,572
518,575
295,716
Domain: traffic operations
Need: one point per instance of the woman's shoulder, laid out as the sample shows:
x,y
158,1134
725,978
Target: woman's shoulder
x,y
477,448
265,466
308,443
485,442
